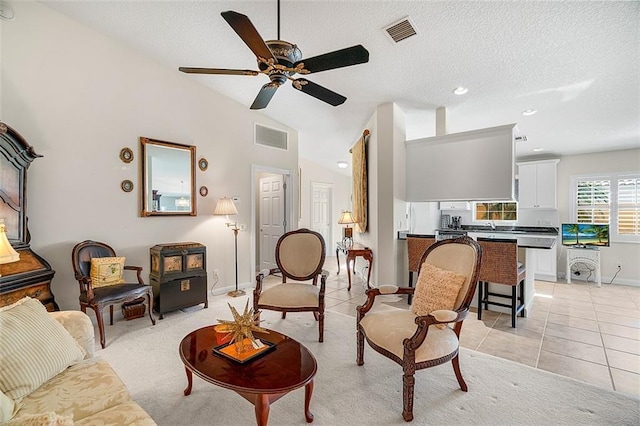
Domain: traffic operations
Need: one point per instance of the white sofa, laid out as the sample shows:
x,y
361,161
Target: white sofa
x,y
88,392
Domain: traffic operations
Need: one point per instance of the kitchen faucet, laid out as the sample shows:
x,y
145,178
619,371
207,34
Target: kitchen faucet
x,y
492,224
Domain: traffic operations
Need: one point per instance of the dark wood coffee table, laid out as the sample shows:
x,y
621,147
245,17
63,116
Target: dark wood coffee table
x,y
260,381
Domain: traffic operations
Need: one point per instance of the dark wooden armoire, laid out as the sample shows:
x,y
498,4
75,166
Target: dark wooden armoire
x,y
31,275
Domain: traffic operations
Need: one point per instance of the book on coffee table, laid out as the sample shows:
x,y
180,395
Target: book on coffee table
x,y
250,352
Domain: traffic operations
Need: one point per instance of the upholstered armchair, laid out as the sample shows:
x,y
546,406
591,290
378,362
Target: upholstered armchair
x,y
427,334
98,297
300,257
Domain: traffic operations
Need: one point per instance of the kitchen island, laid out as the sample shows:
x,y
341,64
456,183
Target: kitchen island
x,y
535,241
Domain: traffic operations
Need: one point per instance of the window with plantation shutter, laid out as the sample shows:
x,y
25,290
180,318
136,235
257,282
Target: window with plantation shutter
x,y
612,199
629,206
593,201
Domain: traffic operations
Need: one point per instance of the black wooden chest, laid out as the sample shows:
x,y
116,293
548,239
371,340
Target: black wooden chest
x,y
178,276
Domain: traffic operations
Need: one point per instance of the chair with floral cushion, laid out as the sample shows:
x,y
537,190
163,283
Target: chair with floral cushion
x,y
427,334
100,275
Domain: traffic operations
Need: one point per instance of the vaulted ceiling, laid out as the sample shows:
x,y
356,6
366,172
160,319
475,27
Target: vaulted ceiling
x,y
576,63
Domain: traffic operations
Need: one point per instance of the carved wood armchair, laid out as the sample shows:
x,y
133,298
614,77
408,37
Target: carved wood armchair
x,y
97,298
300,257
422,341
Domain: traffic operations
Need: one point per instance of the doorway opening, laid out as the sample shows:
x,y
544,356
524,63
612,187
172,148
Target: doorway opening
x,y
271,213
321,208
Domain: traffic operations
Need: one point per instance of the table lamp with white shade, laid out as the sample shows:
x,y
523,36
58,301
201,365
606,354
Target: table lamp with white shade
x,y
346,218
7,252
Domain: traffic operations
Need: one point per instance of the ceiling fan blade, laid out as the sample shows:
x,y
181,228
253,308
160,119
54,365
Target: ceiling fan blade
x,y
340,58
191,70
319,92
264,96
248,33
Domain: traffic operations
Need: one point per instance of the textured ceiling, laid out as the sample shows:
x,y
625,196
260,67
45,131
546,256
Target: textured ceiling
x,y
577,63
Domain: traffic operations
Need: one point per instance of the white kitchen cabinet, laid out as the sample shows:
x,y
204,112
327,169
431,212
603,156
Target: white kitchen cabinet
x,y
546,262
455,205
537,184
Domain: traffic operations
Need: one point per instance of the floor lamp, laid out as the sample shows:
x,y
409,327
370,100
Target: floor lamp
x,y
226,207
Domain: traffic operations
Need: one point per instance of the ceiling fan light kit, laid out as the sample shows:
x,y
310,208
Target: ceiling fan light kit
x,y
281,60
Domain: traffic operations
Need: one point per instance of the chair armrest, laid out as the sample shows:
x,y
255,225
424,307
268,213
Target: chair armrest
x,y
85,285
138,270
423,322
384,289
79,325
260,277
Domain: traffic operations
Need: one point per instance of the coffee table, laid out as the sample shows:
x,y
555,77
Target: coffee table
x,y
260,381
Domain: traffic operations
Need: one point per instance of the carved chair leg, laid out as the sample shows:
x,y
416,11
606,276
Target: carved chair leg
x,y
100,321
110,314
150,303
320,325
83,308
360,350
408,382
456,369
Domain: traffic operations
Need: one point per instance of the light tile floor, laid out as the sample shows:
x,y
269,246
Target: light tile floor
x,y
576,330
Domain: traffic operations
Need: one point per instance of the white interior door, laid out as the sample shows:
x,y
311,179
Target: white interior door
x,y
321,196
272,218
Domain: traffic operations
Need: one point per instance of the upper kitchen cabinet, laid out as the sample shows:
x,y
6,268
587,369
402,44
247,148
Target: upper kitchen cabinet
x,y
537,184
455,205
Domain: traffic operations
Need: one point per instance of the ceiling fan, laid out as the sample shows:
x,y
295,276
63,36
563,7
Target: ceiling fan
x,y
280,60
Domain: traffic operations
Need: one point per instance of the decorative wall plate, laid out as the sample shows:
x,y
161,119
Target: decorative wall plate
x,y
203,164
126,185
126,155
204,191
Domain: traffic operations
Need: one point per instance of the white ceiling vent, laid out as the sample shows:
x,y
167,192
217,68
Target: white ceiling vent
x,y
401,30
268,136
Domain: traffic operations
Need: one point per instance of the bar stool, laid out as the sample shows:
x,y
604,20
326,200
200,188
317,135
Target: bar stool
x,y
416,246
500,266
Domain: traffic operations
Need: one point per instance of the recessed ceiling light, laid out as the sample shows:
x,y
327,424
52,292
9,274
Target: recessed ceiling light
x,y
538,149
460,90
529,111
343,164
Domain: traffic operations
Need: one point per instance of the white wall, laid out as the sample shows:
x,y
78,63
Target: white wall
x,y
78,98
386,183
341,191
606,162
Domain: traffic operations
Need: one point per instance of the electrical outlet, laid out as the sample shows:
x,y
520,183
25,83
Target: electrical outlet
x,y
215,272
619,265
243,227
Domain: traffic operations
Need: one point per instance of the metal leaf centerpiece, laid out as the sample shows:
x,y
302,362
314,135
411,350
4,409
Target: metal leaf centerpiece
x,y
242,327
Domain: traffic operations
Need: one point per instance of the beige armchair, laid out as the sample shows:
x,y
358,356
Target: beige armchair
x,y
422,341
300,256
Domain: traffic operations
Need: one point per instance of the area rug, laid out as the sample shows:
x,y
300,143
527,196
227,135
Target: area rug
x,y
500,392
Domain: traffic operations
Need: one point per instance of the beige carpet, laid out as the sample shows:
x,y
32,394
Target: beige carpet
x,y
500,392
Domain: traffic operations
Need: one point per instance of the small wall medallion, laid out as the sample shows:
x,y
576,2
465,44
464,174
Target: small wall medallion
x,y
204,191
203,164
126,155
126,185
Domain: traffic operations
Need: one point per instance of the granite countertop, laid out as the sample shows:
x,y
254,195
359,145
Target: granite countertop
x,y
507,231
525,242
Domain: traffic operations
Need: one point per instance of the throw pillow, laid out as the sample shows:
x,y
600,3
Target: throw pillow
x,y
7,407
436,289
34,347
107,271
43,419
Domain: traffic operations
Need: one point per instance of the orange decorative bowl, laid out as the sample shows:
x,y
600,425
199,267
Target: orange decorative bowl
x,y
222,336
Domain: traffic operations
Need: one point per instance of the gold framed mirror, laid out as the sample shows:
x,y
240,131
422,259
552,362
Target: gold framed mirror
x,y
168,178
